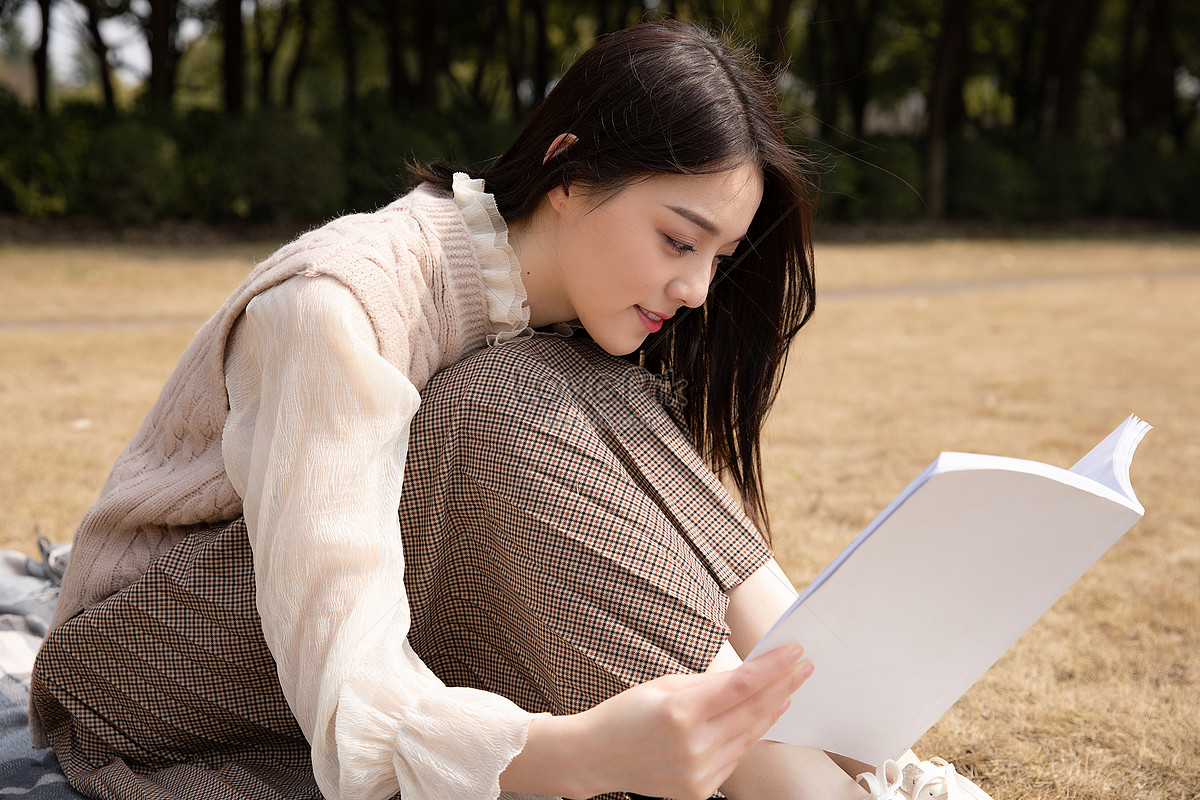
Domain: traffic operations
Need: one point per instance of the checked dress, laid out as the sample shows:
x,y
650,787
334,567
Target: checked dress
x,y
563,541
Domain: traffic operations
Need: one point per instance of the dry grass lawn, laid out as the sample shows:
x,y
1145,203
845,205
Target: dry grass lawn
x,y
1016,347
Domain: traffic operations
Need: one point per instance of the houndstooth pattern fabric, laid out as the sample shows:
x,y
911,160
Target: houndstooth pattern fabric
x,y
167,689
563,541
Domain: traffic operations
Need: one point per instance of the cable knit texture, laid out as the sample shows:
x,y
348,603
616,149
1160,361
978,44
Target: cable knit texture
x,y
411,266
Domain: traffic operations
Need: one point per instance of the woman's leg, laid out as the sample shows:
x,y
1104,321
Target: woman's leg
x,y
564,541
545,501
167,688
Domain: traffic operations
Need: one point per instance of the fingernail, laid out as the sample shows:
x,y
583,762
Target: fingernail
x,y
806,670
783,707
796,653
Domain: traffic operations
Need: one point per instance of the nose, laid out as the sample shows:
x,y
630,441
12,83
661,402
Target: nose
x,y
690,286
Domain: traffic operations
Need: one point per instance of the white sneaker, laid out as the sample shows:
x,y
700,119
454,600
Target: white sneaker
x,y
934,779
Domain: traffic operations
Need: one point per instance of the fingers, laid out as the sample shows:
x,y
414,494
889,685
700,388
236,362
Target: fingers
x,y
765,682
750,714
746,721
682,735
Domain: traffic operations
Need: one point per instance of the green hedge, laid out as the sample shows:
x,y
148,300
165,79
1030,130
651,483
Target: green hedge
x,y
275,166
205,165
1002,178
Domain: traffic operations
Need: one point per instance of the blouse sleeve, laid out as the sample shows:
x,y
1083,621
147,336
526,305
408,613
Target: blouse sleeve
x,y
315,444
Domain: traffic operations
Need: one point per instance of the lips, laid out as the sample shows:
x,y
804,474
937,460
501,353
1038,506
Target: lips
x,y
655,317
653,322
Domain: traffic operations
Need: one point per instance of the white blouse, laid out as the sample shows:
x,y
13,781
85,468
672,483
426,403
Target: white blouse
x,y
315,444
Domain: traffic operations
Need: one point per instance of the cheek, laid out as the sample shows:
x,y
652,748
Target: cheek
x,y
614,260
637,262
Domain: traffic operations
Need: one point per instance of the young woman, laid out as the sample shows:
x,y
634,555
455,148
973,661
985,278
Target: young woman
x,y
653,201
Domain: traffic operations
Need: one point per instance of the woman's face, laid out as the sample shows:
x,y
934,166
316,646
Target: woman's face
x,y
632,262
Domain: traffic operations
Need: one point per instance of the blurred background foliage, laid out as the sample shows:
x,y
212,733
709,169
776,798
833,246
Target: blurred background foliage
x,y
298,110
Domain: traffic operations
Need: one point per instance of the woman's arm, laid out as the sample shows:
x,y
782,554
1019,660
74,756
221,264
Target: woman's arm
x,y
756,603
771,769
315,444
677,736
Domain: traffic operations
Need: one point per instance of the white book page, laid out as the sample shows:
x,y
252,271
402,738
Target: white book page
x,y
1108,463
917,608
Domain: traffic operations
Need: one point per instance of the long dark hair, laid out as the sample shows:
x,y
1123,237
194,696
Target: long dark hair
x,y
668,97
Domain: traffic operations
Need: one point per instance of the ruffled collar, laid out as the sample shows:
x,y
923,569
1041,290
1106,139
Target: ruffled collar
x,y
506,296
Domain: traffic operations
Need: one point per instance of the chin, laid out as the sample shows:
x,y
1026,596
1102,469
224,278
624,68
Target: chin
x,y
618,348
617,345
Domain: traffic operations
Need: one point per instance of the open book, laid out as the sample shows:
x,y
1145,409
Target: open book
x,y
940,585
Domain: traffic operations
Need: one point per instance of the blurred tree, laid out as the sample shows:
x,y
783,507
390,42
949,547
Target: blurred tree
x,y
233,60
775,49
1148,64
945,101
933,92
1055,35
1072,24
270,24
298,57
347,36
41,60
840,41
99,48
159,22
161,25
399,84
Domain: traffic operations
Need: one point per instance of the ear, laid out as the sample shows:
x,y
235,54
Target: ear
x,y
559,146
557,196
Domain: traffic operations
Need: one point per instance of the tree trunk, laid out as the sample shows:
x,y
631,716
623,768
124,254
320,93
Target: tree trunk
x,y
859,80
484,57
100,49
1158,82
293,75
840,40
1147,85
842,14
1179,117
1029,90
627,10
161,35
398,83
41,60
822,75
233,61
514,49
946,81
1129,121
350,67
1071,60
541,51
427,52
776,48
268,47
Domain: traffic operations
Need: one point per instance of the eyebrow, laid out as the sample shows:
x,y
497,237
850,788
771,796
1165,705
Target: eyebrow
x,y
701,222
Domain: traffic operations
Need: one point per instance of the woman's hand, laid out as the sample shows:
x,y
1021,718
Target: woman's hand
x,y
677,736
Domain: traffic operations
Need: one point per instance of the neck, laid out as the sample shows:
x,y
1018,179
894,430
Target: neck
x,y
532,239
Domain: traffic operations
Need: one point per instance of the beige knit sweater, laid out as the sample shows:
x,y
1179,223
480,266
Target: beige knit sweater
x,y
412,267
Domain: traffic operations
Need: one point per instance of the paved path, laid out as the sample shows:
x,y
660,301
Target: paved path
x,y
990,284
840,293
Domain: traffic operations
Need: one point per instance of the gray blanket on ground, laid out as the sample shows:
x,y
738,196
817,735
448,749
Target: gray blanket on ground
x,y
28,591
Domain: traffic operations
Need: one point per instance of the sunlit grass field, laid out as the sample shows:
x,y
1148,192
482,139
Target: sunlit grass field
x,y
1029,348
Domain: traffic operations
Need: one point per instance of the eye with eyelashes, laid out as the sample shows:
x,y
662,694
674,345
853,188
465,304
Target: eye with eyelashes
x,y
680,248
683,249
